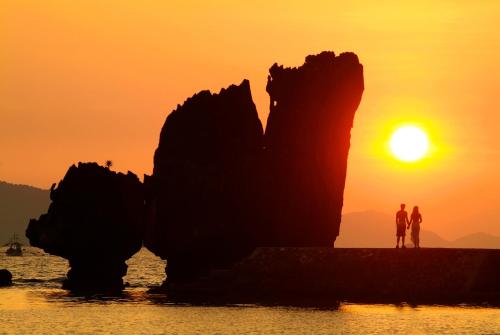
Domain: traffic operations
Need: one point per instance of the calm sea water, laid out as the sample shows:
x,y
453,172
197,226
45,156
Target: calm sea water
x,y
37,305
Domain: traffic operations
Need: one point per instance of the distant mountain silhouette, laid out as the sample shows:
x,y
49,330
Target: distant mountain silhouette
x,y
376,230
19,203
477,240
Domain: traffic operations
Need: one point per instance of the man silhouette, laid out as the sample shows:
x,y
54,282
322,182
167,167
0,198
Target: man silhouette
x,y
401,222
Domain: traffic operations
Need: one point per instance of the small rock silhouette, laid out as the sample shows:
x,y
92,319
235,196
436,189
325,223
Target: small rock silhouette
x,y
95,221
5,277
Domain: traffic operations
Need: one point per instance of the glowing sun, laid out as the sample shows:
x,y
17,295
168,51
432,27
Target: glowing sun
x,y
409,143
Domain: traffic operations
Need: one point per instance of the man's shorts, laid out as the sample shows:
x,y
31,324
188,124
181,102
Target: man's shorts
x,y
401,229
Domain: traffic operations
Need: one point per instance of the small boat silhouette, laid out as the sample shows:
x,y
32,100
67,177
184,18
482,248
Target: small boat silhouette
x,y
14,247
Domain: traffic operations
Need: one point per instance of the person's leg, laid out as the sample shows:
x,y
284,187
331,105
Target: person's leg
x,y
397,242
403,241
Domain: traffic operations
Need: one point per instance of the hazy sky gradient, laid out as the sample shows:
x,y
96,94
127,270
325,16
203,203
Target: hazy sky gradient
x,y
94,80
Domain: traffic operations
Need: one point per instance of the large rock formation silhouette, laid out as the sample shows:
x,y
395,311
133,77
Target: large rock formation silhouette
x,y
202,198
307,141
220,188
95,221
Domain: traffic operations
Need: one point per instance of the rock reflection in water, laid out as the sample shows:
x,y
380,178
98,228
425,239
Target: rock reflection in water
x,y
54,311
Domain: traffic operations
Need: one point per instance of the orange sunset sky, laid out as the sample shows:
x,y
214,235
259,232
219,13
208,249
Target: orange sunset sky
x,y
94,80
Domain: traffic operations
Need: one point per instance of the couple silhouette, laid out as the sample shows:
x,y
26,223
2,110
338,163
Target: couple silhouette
x,y
402,224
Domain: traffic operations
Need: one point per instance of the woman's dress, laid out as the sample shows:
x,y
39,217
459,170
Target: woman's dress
x,y
415,228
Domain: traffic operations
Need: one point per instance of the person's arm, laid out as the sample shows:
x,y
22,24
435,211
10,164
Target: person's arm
x,y
420,218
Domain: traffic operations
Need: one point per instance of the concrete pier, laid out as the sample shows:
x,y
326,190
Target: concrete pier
x,y
319,276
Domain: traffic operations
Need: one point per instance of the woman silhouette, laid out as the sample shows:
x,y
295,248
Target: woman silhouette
x,y
415,220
